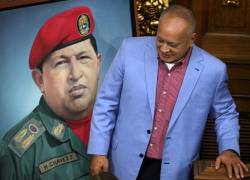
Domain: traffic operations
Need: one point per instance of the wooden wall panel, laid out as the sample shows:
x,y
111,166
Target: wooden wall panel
x,y
231,48
224,31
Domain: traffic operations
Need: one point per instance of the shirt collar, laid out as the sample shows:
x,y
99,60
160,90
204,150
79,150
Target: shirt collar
x,y
80,122
183,61
186,56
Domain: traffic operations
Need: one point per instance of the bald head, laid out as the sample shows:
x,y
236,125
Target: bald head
x,y
182,13
175,34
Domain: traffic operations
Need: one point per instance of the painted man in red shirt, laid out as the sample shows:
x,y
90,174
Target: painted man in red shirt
x,y
50,143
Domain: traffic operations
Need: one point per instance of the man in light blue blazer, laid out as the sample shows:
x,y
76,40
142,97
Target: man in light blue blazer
x,y
151,111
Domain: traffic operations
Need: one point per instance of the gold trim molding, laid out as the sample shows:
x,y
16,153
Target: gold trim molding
x,y
231,3
147,13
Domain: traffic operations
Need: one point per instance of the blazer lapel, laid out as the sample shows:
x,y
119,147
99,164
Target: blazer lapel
x,y
151,70
192,75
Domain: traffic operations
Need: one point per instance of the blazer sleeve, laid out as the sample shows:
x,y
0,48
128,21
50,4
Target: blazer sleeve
x,y
225,115
106,106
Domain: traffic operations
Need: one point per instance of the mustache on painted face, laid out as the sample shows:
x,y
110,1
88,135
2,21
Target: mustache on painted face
x,y
78,90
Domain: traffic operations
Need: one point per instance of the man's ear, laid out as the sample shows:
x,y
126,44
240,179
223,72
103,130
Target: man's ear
x,y
99,59
193,37
38,78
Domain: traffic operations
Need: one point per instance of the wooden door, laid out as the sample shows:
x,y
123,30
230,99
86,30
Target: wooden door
x,y
224,31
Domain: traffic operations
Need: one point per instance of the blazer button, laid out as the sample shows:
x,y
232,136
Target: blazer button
x,y
141,155
148,131
166,162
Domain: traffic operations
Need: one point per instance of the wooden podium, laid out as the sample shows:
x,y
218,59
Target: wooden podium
x,y
205,170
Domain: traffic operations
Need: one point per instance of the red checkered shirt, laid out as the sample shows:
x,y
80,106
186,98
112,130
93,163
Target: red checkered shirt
x,y
167,90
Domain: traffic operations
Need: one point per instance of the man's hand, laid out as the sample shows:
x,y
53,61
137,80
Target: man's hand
x,y
99,163
232,162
